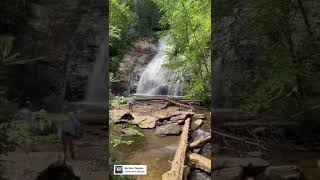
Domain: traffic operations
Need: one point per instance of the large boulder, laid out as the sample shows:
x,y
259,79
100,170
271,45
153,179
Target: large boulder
x,y
197,134
235,173
169,129
199,116
179,117
252,166
181,114
196,124
118,114
199,175
288,172
145,122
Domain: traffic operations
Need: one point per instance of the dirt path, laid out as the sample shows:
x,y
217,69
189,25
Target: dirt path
x,y
90,162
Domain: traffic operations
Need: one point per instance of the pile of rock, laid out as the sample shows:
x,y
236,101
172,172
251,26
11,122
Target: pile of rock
x,y
203,149
169,124
253,169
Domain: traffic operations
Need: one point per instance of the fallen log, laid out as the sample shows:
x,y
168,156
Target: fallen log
x,y
180,104
177,167
23,61
165,105
10,58
257,123
200,141
239,139
200,162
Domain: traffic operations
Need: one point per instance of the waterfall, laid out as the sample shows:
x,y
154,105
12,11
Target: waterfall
x,y
155,79
97,85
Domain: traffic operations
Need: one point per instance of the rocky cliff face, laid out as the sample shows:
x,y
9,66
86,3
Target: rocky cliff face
x,y
235,54
67,34
133,64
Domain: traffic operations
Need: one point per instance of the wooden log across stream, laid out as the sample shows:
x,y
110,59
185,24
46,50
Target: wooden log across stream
x,y
178,169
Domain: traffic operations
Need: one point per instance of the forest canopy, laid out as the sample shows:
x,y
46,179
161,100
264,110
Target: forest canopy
x,y
186,26
189,35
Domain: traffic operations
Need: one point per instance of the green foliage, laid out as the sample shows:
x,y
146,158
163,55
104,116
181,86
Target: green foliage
x,y
148,17
123,100
289,64
17,133
6,46
128,21
7,110
41,123
189,35
117,141
120,18
132,132
13,15
45,139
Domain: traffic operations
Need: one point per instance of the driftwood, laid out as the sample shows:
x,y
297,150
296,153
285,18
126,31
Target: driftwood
x,y
224,135
256,123
176,171
10,58
166,104
179,104
23,61
200,142
200,162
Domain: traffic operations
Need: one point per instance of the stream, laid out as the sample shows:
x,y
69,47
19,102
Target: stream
x,y
151,150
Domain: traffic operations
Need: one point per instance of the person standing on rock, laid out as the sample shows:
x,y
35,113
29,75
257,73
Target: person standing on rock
x,y
117,99
68,130
26,115
131,102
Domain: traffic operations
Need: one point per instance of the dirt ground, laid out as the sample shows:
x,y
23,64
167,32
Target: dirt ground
x,y
90,163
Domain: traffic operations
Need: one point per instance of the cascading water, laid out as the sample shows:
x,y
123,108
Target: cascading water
x,y
155,79
97,86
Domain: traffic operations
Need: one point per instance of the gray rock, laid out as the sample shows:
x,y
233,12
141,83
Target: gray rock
x,y
169,129
235,173
253,166
179,117
206,149
177,113
199,175
199,116
145,122
288,172
195,135
196,124
118,115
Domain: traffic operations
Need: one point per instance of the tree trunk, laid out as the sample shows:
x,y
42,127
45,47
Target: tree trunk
x,y
176,171
200,142
200,162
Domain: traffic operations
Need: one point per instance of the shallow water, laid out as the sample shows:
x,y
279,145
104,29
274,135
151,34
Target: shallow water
x,y
152,150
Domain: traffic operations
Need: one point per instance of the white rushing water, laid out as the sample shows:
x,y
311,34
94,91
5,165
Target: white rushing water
x,y
97,85
155,78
